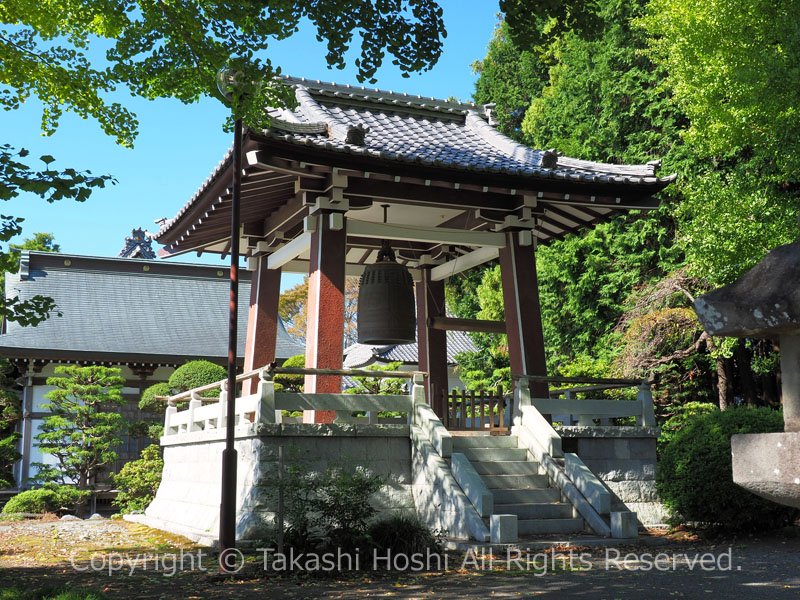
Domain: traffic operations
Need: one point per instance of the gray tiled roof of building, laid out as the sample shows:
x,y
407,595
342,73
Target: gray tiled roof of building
x,y
358,355
113,308
423,131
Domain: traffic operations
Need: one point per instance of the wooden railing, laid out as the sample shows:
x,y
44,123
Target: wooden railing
x,y
484,410
266,405
562,404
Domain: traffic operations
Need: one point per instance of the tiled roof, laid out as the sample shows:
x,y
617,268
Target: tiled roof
x,y
359,355
123,307
405,129
431,132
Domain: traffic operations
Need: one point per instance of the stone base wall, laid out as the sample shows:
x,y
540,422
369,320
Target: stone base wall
x,y
187,501
624,459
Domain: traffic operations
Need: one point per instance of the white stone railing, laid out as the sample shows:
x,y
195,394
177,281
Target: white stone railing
x,y
586,410
266,405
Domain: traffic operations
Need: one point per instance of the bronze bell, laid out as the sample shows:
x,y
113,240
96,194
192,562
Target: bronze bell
x,y
386,310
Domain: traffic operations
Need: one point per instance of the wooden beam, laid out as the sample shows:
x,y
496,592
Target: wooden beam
x,y
452,324
464,263
350,269
289,251
428,195
420,233
286,216
263,160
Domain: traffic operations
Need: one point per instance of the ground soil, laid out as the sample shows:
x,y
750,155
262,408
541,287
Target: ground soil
x,y
126,560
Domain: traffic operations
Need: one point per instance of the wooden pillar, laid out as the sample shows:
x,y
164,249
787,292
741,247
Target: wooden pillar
x,y
262,320
523,313
325,328
432,343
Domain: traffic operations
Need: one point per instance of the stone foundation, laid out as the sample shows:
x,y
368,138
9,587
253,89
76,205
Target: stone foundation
x,y
188,498
624,459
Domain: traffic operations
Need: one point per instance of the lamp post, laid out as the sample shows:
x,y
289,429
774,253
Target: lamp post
x,y
227,509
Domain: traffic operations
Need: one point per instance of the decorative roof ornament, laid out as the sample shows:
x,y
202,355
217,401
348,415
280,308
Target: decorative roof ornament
x,y
138,245
550,159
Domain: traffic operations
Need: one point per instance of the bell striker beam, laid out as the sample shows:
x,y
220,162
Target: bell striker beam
x,y
325,325
431,343
523,312
262,320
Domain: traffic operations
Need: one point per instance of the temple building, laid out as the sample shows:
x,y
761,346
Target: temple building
x,y
146,317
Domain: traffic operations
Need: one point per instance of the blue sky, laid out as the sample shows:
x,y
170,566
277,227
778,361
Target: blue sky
x,y
178,145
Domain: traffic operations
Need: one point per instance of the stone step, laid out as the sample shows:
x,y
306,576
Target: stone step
x,y
508,467
516,482
484,441
550,510
538,526
532,496
494,454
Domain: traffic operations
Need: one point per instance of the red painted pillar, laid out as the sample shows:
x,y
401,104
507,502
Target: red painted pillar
x,y
325,327
262,320
523,313
432,343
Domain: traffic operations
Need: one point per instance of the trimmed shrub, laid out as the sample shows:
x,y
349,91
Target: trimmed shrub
x,y
138,481
291,383
196,373
684,415
695,477
58,499
148,401
402,534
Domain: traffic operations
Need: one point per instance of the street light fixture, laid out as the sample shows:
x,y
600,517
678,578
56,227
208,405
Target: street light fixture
x,y
226,81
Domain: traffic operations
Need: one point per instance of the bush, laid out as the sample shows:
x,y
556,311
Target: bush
x,y
291,383
148,401
324,509
695,478
57,499
138,481
196,373
684,415
402,534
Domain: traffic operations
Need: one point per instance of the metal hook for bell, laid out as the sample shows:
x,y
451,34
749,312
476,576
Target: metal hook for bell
x,y
386,253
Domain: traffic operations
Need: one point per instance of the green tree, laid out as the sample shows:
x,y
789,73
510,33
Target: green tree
x,y
10,413
84,425
138,481
41,242
510,78
732,66
379,385
172,50
291,383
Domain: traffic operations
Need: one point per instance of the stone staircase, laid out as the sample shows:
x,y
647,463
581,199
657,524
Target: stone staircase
x,y
517,485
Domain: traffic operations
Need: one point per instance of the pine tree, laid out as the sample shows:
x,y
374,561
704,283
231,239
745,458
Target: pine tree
x,y
83,428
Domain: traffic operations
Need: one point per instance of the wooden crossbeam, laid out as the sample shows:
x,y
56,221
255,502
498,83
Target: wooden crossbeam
x,y
419,233
463,263
289,251
452,324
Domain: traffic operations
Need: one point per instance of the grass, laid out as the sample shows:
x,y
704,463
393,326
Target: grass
x,y
48,594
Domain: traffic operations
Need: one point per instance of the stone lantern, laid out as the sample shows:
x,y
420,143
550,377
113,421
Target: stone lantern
x,y
765,303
